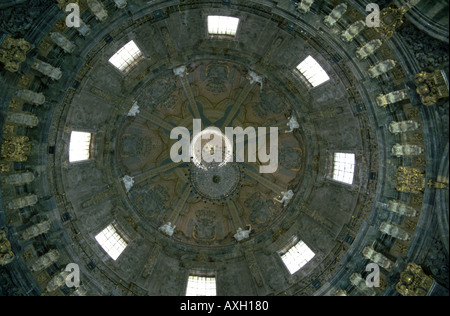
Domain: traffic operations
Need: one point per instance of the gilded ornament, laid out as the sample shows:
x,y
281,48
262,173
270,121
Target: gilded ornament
x,y
414,282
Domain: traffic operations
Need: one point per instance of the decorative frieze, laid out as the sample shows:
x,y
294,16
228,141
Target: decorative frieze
x,y
394,231
6,253
47,69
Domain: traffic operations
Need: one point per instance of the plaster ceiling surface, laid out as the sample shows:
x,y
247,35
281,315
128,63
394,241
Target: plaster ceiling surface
x,y
185,74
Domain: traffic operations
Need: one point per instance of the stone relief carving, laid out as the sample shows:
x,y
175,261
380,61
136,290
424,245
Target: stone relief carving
x,y
335,15
427,51
150,201
406,150
98,9
261,210
180,71
45,261
431,86
128,183
270,102
352,31
413,281
35,230
31,97
19,178
13,52
217,77
293,124
368,48
121,4
242,234
134,110
205,226
381,68
304,6
377,258
62,41
167,228
23,118
255,78
393,97
57,281
403,127
47,69
394,231
19,19
158,94
21,202
289,158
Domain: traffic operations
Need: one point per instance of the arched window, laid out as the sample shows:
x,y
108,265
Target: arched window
x,y
80,146
312,71
222,25
201,286
110,240
128,56
297,256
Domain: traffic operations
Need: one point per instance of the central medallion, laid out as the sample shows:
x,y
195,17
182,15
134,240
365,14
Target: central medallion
x,y
211,149
216,183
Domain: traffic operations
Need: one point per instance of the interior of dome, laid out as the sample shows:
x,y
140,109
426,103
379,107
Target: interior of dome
x,y
341,170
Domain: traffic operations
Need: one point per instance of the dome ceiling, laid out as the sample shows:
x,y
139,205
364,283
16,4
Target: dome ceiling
x,y
228,220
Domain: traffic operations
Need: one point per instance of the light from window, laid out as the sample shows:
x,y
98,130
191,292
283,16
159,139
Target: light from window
x,y
297,256
201,286
344,167
79,148
222,25
111,241
128,56
312,71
